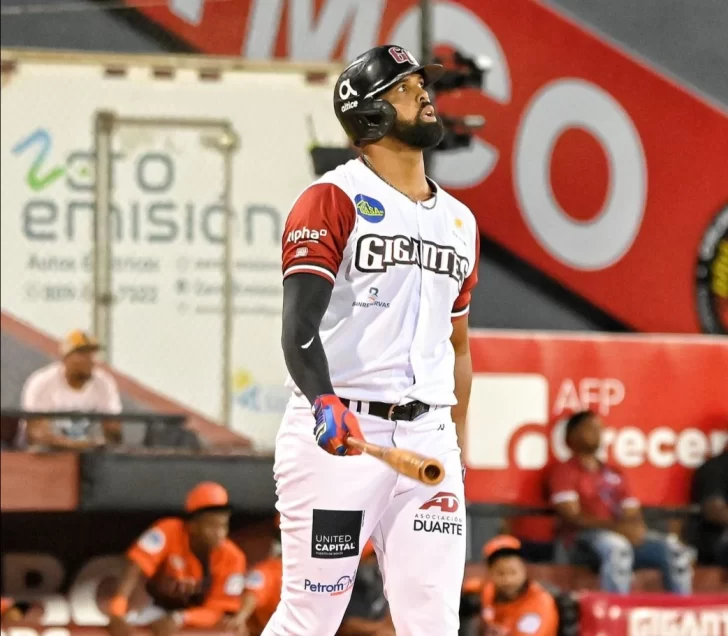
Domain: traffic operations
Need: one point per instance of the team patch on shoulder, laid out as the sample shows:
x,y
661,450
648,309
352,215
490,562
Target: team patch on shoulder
x,y
529,623
368,208
234,585
254,580
152,541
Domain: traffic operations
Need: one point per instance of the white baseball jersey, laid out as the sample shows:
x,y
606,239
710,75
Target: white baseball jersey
x,y
401,273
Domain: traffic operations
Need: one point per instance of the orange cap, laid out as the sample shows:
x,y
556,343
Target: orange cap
x,y
502,542
208,494
77,340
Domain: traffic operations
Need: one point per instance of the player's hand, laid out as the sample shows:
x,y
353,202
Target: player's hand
x,y
118,626
165,626
238,624
634,530
334,425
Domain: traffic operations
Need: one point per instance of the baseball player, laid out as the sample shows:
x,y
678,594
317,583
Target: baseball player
x,y
194,573
378,264
512,604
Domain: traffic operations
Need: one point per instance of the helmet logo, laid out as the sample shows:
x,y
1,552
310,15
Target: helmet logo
x,y
402,56
346,91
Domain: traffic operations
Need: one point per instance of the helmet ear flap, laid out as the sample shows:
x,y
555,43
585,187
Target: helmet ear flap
x,y
389,115
375,120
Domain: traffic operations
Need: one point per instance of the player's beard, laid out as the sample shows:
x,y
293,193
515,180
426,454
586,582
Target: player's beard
x,y
418,133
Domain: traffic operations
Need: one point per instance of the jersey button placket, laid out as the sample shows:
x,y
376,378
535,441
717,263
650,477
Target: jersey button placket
x,y
418,341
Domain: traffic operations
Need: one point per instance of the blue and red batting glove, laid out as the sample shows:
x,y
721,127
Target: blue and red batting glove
x,y
334,424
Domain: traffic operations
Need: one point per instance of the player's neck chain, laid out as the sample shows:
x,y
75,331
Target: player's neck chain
x,y
431,200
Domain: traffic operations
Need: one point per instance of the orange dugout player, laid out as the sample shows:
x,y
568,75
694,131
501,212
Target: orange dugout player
x,y
263,593
194,574
262,589
513,605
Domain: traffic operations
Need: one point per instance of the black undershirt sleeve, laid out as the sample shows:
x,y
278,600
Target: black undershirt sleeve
x,y
305,300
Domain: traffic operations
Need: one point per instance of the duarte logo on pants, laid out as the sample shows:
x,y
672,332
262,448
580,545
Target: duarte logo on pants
x,y
438,514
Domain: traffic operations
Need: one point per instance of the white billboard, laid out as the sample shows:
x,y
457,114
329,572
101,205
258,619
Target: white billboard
x,y
167,215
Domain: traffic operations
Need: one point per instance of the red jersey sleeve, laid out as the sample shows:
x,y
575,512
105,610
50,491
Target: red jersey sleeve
x,y
562,486
462,302
152,547
317,230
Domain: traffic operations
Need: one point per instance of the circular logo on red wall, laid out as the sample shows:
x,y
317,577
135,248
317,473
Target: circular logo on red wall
x,y
712,276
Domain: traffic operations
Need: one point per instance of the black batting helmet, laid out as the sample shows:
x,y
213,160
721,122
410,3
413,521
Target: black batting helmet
x,y
364,116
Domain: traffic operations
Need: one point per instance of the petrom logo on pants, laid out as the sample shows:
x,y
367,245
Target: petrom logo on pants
x,y
344,584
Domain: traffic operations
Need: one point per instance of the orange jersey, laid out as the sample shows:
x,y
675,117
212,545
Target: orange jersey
x,y
264,583
177,579
533,613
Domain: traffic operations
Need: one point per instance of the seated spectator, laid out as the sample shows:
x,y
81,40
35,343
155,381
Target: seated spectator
x,y
709,533
602,520
194,574
512,605
367,612
74,383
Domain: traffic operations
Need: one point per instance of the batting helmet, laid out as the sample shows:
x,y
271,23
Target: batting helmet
x,y
364,116
207,495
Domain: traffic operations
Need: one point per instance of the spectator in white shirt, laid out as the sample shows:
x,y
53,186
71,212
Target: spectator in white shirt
x,y
74,383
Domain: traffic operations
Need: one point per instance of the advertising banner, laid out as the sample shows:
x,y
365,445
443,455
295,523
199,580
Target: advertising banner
x,y
613,183
167,217
663,401
653,615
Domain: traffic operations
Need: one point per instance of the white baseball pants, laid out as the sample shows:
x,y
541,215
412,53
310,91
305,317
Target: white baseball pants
x,y
330,506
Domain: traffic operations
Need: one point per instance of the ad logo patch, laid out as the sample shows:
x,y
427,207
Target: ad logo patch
x,y
335,533
368,208
438,514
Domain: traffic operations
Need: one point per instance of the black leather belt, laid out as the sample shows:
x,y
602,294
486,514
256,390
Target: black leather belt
x,y
404,412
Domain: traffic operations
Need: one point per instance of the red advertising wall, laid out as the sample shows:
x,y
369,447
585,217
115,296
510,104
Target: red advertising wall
x,y
592,167
664,402
653,614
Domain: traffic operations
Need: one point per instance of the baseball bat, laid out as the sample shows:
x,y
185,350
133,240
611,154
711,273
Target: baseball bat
x,y
408,463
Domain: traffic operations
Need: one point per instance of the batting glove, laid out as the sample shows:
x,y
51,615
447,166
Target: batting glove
x,y
334,424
